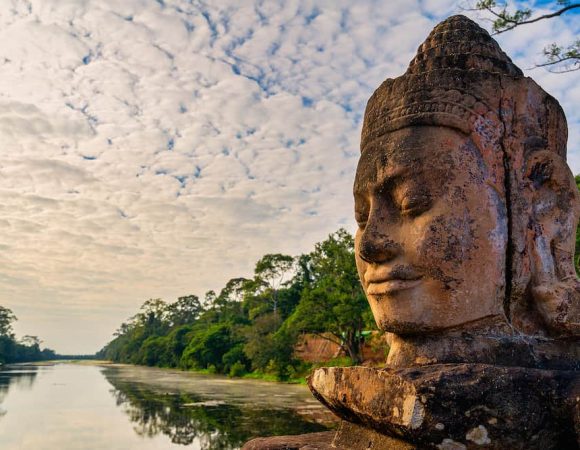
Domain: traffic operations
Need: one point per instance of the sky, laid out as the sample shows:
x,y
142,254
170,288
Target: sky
x,y
154,149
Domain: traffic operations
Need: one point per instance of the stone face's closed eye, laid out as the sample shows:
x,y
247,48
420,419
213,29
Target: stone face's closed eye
x,y
415,206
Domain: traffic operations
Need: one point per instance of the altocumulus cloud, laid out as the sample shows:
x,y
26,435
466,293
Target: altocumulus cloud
x,y
159,148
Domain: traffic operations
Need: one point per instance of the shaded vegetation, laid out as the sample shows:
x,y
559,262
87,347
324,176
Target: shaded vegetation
x,y
25,349
252,324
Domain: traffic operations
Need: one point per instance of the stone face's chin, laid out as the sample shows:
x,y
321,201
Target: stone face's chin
x,y
407,325
399,314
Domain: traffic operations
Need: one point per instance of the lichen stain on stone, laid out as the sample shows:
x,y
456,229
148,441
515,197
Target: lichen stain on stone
x,y
478,435
396,412
413,412
450,444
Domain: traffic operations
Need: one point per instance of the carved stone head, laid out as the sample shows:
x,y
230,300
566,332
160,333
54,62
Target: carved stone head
x,y
466,208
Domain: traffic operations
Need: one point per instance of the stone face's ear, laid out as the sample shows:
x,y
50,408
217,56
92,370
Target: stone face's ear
x,y
551,232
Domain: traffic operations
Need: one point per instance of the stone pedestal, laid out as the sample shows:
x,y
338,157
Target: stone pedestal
x,y
450,406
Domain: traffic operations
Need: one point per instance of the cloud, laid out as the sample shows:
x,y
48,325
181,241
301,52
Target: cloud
x,y
157,149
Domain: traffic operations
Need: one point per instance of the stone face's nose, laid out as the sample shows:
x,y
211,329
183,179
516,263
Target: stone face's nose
x,y
376,247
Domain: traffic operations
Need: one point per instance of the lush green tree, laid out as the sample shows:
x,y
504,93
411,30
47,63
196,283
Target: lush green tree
x,y
228,305
235,361
270,273
235,289
177,341
7,317
207,347
260,340
185,310
152,352
564,58
333,304
154,316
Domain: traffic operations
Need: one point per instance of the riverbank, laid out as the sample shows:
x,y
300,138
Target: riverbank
x,y
299,378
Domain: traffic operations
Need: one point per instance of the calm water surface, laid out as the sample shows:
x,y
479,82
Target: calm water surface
x,y
80,406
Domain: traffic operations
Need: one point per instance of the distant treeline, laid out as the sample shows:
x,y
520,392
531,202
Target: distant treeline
x,y
75,357
252,324
14,350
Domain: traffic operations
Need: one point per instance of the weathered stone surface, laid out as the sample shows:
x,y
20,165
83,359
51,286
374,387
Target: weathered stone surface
x,y
468,404
354,437
311,441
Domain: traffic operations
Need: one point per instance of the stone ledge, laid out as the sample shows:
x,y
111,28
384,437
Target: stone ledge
x,y
311,441
468,405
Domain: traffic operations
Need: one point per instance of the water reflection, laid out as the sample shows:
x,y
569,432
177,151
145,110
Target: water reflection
x,y
213,423
21,377
83,406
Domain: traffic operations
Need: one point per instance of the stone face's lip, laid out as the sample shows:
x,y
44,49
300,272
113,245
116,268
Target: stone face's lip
x,y
383,280
378,274
391,286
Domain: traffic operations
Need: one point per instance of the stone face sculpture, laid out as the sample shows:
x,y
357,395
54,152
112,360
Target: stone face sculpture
x,y
466,214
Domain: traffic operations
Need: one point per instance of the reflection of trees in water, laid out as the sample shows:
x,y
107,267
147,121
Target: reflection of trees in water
x,y
184,418
16,376
11,377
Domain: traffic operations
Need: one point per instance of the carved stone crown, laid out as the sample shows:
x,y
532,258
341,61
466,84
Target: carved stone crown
x,y
455,80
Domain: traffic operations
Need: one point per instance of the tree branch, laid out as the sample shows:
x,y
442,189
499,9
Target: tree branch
x,y
327,338
514,22
569,58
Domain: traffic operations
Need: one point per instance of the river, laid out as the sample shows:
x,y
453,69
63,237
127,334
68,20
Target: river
x,y
65,406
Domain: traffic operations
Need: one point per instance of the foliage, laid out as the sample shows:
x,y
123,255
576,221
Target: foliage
x,y
6,319
207,348
270,273
253,323
14,351
185,310
564,58
333,301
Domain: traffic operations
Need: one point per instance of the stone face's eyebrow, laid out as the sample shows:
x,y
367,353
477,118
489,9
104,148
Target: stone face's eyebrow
x,y
372,175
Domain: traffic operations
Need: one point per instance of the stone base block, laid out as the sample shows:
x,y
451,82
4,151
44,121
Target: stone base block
x,y
452,407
